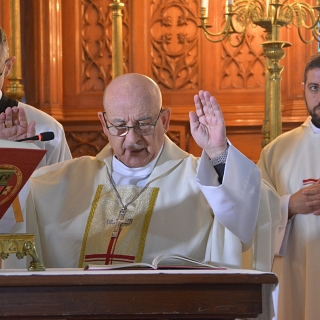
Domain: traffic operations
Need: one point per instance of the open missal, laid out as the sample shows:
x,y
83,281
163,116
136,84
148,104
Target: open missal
x,y
158,263
18,160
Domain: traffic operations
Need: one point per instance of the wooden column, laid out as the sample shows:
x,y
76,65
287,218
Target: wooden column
x,y
42,45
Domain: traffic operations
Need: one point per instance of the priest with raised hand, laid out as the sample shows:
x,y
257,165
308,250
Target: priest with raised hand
x,y
143,196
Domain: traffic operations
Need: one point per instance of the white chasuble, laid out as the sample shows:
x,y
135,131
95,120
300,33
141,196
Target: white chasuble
x,y
110,238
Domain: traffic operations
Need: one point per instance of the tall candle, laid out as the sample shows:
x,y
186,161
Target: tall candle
x,y
228,2
205,4
267,7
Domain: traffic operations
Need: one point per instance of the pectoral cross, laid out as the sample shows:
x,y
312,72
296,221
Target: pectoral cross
x,y
119,222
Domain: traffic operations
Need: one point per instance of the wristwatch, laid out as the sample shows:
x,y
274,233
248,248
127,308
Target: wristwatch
x,y
220,159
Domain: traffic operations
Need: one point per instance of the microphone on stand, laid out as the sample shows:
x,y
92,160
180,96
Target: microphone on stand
x,y
44,136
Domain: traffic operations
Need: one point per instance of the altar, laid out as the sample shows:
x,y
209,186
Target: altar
x,y
135,294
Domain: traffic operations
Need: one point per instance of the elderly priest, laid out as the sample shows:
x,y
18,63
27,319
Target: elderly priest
x,y
143,196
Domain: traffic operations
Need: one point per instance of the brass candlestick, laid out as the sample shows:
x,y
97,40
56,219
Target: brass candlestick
x,y
274,52
117,47
15,89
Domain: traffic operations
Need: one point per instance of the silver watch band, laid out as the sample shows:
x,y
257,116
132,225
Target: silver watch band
x,y
220,159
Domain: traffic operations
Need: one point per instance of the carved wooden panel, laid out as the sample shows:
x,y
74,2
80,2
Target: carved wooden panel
x,y
174,44
179,134
96,38
85,143
244,67
87,47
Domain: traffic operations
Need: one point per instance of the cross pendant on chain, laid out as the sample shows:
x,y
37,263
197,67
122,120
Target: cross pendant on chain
x,y
119,222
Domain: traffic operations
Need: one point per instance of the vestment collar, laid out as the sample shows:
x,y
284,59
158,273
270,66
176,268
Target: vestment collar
x,y
122,174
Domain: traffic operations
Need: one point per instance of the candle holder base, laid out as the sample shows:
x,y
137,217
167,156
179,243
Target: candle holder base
x,y
22,245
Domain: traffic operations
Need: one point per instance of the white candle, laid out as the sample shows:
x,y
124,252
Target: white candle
x,y
267,7
228,2
205,4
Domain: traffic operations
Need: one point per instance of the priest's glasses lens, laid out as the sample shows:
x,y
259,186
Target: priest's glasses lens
x,y
118,131
141,130
144,130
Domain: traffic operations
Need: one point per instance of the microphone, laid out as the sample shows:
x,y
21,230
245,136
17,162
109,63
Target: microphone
x,y
44,136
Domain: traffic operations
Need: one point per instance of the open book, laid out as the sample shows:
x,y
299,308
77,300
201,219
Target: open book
x,y
158,263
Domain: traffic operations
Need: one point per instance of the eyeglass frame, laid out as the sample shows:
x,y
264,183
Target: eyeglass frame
x,y
132,127
4,65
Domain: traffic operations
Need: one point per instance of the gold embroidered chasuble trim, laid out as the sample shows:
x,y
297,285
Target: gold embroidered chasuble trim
x,y
98,246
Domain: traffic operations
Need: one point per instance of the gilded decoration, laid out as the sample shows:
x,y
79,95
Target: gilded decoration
x,y
174,44
13,185
97,43
21,245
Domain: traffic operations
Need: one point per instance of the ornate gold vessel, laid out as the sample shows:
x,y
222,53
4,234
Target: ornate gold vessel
x,y
22,245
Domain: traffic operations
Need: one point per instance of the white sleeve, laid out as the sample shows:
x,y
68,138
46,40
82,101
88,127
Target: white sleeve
x,y
235,202
246,212
284,228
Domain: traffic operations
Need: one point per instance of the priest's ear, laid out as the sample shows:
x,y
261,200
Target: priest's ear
x,y
103,120
9,64
165,118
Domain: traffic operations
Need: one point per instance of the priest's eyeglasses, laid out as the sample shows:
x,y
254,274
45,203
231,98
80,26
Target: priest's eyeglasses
x,y
4,65
140,129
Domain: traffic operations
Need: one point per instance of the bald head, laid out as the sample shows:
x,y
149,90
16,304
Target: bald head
x,y
133,90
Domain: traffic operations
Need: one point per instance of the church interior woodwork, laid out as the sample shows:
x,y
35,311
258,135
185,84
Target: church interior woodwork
x,y
67,63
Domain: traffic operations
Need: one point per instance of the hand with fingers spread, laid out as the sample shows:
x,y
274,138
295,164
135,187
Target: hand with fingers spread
x,y
14,124
207,125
